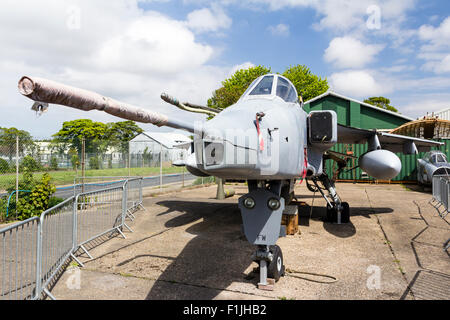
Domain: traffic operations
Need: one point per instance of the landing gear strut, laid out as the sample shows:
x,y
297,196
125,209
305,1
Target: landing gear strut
x,y
337,211
271,265
261,211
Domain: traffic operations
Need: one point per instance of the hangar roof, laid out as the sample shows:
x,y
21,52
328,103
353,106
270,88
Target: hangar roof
x,y
329,92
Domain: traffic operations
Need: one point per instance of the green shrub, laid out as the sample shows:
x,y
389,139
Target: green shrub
x,y
94,164
26,182
4,166
30,163
75,161
36,202
54,201
3,203
53,163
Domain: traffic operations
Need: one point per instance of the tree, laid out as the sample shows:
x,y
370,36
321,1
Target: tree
x,y
381,102
8,142
72,133
305,82
233,87
120,133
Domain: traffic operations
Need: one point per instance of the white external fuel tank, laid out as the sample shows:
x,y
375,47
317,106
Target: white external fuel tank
x,y
380,164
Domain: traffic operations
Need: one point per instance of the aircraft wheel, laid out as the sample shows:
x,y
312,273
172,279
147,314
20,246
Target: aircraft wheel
x,y
276,267
331,214
345,214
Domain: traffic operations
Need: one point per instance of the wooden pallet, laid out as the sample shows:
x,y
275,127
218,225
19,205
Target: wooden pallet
x,y
290,219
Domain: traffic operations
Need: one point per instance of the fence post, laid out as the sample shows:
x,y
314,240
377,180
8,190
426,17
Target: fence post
x,y
39,259
17,172
160,166
83,156
129,159
124,201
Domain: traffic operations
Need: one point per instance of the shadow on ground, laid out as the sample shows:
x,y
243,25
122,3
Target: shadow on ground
x,y
216,257
318,213
219,254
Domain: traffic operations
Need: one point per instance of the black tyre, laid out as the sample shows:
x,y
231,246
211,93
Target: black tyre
x,y
331,214
345,214
276,267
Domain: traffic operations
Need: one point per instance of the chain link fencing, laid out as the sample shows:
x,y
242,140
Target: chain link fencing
x,y
21,157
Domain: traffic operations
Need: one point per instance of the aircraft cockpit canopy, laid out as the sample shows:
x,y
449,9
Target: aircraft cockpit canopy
x,y
435,157
271,86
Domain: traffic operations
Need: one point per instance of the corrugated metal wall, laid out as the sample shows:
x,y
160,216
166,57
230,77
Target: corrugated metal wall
x,y
357,115
409,162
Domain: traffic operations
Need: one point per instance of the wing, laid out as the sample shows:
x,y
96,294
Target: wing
x,y
388,141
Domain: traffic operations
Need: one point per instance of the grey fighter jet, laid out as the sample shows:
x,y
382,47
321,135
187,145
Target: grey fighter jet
x,y
267,139
433,163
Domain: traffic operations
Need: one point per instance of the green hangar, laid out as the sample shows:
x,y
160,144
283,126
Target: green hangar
x,y
351,112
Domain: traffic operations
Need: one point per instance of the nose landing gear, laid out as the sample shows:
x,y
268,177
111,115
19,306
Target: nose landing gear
x,y
271,266
261,211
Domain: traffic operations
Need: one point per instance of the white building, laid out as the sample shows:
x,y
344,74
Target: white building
x,y
174,146
442,114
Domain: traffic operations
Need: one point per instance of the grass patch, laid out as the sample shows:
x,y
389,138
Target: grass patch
x,y
66,177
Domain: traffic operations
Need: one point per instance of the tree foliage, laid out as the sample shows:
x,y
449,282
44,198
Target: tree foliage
x,y
120,133
8,142
233,87
72,133
307,83
381,102
98,136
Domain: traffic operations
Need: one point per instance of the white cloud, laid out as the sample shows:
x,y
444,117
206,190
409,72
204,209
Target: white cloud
x,y
153,43
117,49
243,66
420,105
208,20
435,47
359,84
347,52
438,66
279,30
437,36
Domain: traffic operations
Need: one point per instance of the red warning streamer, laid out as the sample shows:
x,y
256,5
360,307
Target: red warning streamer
x,y
305,165
260,138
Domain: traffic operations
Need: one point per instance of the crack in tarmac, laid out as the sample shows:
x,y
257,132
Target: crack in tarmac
x,y
178,282
391,249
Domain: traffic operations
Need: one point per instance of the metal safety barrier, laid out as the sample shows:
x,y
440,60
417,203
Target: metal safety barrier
x,y
441,197
441,193
33,252
19,257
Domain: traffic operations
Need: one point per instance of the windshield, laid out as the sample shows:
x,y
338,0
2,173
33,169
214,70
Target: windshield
x,y
440,158
249,87
285,90
263,87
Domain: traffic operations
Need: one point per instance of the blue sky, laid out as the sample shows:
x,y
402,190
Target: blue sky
x,y
133,50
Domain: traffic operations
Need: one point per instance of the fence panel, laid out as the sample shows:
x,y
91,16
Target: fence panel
x,y
32,252
57,225
134,188
98,212
88,184
18,259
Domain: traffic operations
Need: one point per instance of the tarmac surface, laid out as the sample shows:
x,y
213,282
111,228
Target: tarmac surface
x,y
187,245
